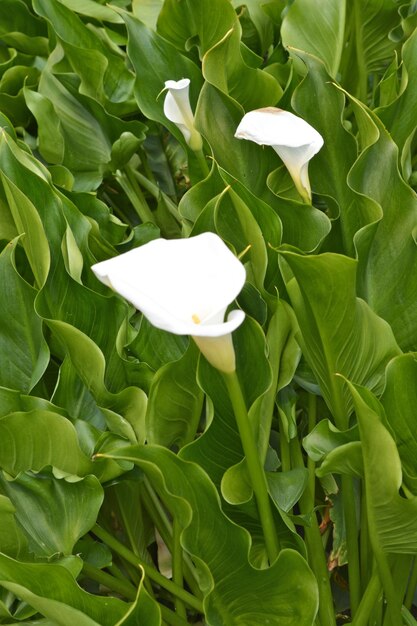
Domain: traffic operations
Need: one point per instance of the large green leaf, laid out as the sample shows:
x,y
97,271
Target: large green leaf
x,y
235,592
392,518
317,31
24,354
93,9
52,513
12,540
369,46
398,117
175,402
387,249
20,29
339,333
399,400
33,440
54,593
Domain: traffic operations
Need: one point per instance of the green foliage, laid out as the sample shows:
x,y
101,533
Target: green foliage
x,y
127,494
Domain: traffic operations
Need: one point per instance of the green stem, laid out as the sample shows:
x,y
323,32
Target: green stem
x,y
362,76
408,619
368,602
149,570
129,592
122,587
349,510
393,601
412,584
129,185
156,192
284,449
177,569
365,548
316,554
253,462
164,526
311,466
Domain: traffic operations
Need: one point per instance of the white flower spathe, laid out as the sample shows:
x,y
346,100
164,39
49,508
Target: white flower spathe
x,y
183,286
178,110
292,138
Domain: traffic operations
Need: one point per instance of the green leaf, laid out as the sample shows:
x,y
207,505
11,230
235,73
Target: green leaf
x,y
77,132
244,220
329,169
235,592
261,21
392,519
399,400
175,402
325,437
104,75
387,249
53,592
24,354
52,513
20,29
33,440
304,20
345,459
12,101
370,46
286,488
252,88
12,540
29,225
398,116
188,24
339,333
93,9
147,11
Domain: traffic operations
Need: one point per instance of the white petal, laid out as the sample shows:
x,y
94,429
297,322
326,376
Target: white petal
x,y
293,139
177,106
180,285
275,127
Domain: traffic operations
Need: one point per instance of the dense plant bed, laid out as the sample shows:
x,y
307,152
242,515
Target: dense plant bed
x,y
208,312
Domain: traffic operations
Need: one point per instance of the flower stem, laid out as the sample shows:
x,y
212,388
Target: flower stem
x,y
362,83
164,526
255,469
349,510
150,571
412,584
131,188
369,599
122,587
177,569
316,554
129,592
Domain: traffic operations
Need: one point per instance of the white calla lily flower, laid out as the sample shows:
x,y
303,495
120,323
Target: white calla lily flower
x,y
292,138
177,109
183,286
